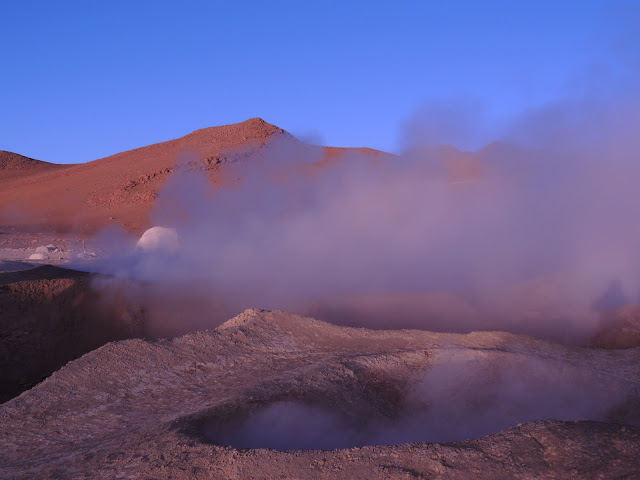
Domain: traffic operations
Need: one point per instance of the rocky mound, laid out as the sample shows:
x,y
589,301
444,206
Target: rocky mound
x,y
234,402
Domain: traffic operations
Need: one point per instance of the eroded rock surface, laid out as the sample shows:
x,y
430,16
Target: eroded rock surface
x,y
171,408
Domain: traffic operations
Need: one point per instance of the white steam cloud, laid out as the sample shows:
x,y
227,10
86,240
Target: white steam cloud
x,y
534,234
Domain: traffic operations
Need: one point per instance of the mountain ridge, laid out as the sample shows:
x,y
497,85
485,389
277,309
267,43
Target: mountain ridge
x,y
122,188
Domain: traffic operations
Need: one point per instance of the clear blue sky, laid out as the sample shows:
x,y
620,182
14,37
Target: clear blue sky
x,y
80,80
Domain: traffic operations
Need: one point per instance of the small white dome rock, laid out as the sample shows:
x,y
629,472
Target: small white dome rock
x,y
159,239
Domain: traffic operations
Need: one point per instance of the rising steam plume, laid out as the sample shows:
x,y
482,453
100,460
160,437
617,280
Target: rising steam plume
x,y
536,233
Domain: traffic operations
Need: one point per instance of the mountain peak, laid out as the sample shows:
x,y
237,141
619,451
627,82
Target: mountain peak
x,y
253,128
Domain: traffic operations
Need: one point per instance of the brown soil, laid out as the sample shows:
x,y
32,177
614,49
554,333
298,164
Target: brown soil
x,y
159,409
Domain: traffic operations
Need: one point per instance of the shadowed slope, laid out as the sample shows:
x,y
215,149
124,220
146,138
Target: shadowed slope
x,y
51,315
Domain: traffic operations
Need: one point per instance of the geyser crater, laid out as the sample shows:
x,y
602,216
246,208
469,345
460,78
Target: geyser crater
x,y
452,402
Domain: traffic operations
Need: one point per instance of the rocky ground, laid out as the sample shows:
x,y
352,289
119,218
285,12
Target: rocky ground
x,y
19,244
23,246
215,404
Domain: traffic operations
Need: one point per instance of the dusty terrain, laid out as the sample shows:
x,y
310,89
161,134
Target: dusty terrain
x,y
175,408
99,379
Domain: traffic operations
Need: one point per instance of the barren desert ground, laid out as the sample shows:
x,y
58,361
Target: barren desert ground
x,y
174,358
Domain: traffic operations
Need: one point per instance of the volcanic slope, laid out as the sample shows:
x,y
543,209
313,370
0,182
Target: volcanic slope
x,y
123,187
274,395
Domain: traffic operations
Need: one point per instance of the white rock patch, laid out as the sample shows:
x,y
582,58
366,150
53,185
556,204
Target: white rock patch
x,y
159,239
